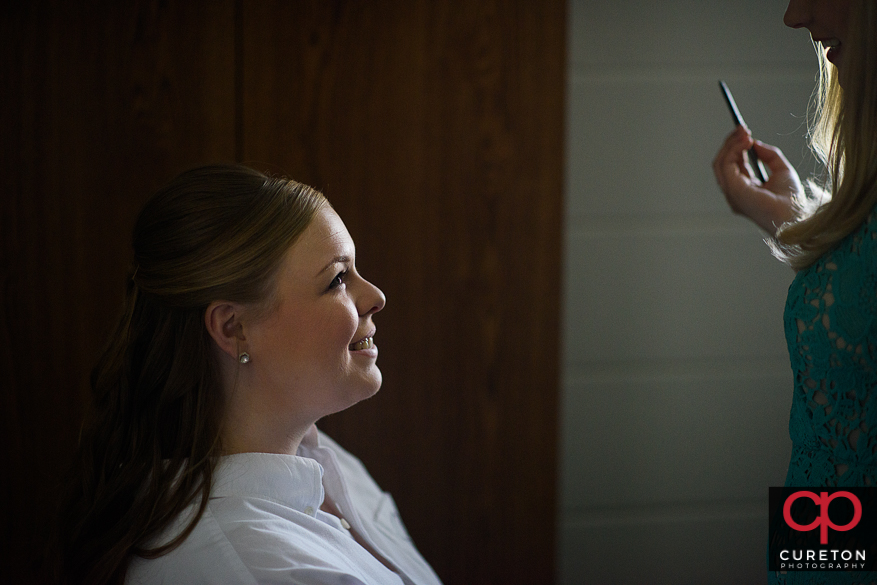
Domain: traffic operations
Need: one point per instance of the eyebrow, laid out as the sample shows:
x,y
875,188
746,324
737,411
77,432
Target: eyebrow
x,y
335,260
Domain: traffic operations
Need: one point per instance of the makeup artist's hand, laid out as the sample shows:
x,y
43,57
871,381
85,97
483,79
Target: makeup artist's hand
x,y
769,205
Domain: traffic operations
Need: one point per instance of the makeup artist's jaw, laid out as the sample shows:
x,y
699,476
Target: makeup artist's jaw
x,y
827,22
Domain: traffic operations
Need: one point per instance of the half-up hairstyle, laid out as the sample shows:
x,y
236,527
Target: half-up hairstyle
x,y
149,446
844,136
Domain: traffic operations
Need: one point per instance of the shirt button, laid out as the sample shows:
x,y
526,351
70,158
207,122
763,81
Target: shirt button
x,y
309,511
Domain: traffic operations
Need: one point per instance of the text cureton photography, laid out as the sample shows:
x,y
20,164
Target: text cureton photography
x,y
823,529
822,559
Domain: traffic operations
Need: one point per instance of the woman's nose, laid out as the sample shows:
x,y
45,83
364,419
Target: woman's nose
x,y
798,13
372,299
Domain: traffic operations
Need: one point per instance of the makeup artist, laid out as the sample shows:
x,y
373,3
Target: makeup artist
x,y
828,234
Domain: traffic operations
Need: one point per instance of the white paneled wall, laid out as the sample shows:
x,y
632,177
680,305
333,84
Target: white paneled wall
x,y
676,386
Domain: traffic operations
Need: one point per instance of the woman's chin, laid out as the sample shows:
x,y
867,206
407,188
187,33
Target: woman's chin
x,y
377,380
368,386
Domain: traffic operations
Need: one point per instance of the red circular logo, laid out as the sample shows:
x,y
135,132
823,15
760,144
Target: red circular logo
x,y
823,521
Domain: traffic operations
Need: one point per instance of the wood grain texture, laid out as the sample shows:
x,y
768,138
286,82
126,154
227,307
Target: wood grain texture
x,y
435,128
102,102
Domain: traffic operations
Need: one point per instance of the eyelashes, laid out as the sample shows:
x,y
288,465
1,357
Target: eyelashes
x,y
338,280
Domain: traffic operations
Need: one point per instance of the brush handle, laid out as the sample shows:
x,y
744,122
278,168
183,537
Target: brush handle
x,y
757,166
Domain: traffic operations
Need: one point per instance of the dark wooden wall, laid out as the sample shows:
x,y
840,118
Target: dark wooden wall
x,y
434,126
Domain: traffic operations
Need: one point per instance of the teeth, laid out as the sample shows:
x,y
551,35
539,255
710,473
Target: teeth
x,y
366,343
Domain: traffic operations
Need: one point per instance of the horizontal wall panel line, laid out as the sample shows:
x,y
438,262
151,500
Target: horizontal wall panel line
x,y
587,226
579,373
675,513
666,74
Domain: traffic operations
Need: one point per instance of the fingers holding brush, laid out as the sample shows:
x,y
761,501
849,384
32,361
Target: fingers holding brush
x,y
783,178
730,165
768,204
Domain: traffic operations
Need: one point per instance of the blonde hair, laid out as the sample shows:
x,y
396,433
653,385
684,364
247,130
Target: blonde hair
x,y
843,135
152,437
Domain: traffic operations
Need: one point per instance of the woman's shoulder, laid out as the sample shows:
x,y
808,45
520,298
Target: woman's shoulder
x,y
205,556
248,542
262,521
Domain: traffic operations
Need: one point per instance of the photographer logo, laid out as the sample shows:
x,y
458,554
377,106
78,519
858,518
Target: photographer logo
x,y
822,521
823,529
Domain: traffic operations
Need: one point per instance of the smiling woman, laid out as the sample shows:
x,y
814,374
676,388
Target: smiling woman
x,y
308,357
245,322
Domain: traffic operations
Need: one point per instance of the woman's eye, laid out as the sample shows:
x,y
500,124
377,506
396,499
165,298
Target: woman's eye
x,y
338,280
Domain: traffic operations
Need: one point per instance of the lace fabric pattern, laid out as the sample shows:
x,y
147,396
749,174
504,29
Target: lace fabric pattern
x,y
831,331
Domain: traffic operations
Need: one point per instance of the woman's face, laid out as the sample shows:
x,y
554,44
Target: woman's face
x,y
827,22
313,355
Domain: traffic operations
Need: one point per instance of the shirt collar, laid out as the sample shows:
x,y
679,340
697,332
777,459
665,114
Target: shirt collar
x,y
309,442
293,480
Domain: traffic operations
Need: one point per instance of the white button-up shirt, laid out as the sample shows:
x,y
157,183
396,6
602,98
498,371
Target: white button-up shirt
x,y
263,524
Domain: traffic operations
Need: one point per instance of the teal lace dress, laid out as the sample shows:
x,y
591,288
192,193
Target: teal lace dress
x,y
831,330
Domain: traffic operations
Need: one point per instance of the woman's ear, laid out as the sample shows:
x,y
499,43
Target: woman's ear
x,y
223,322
